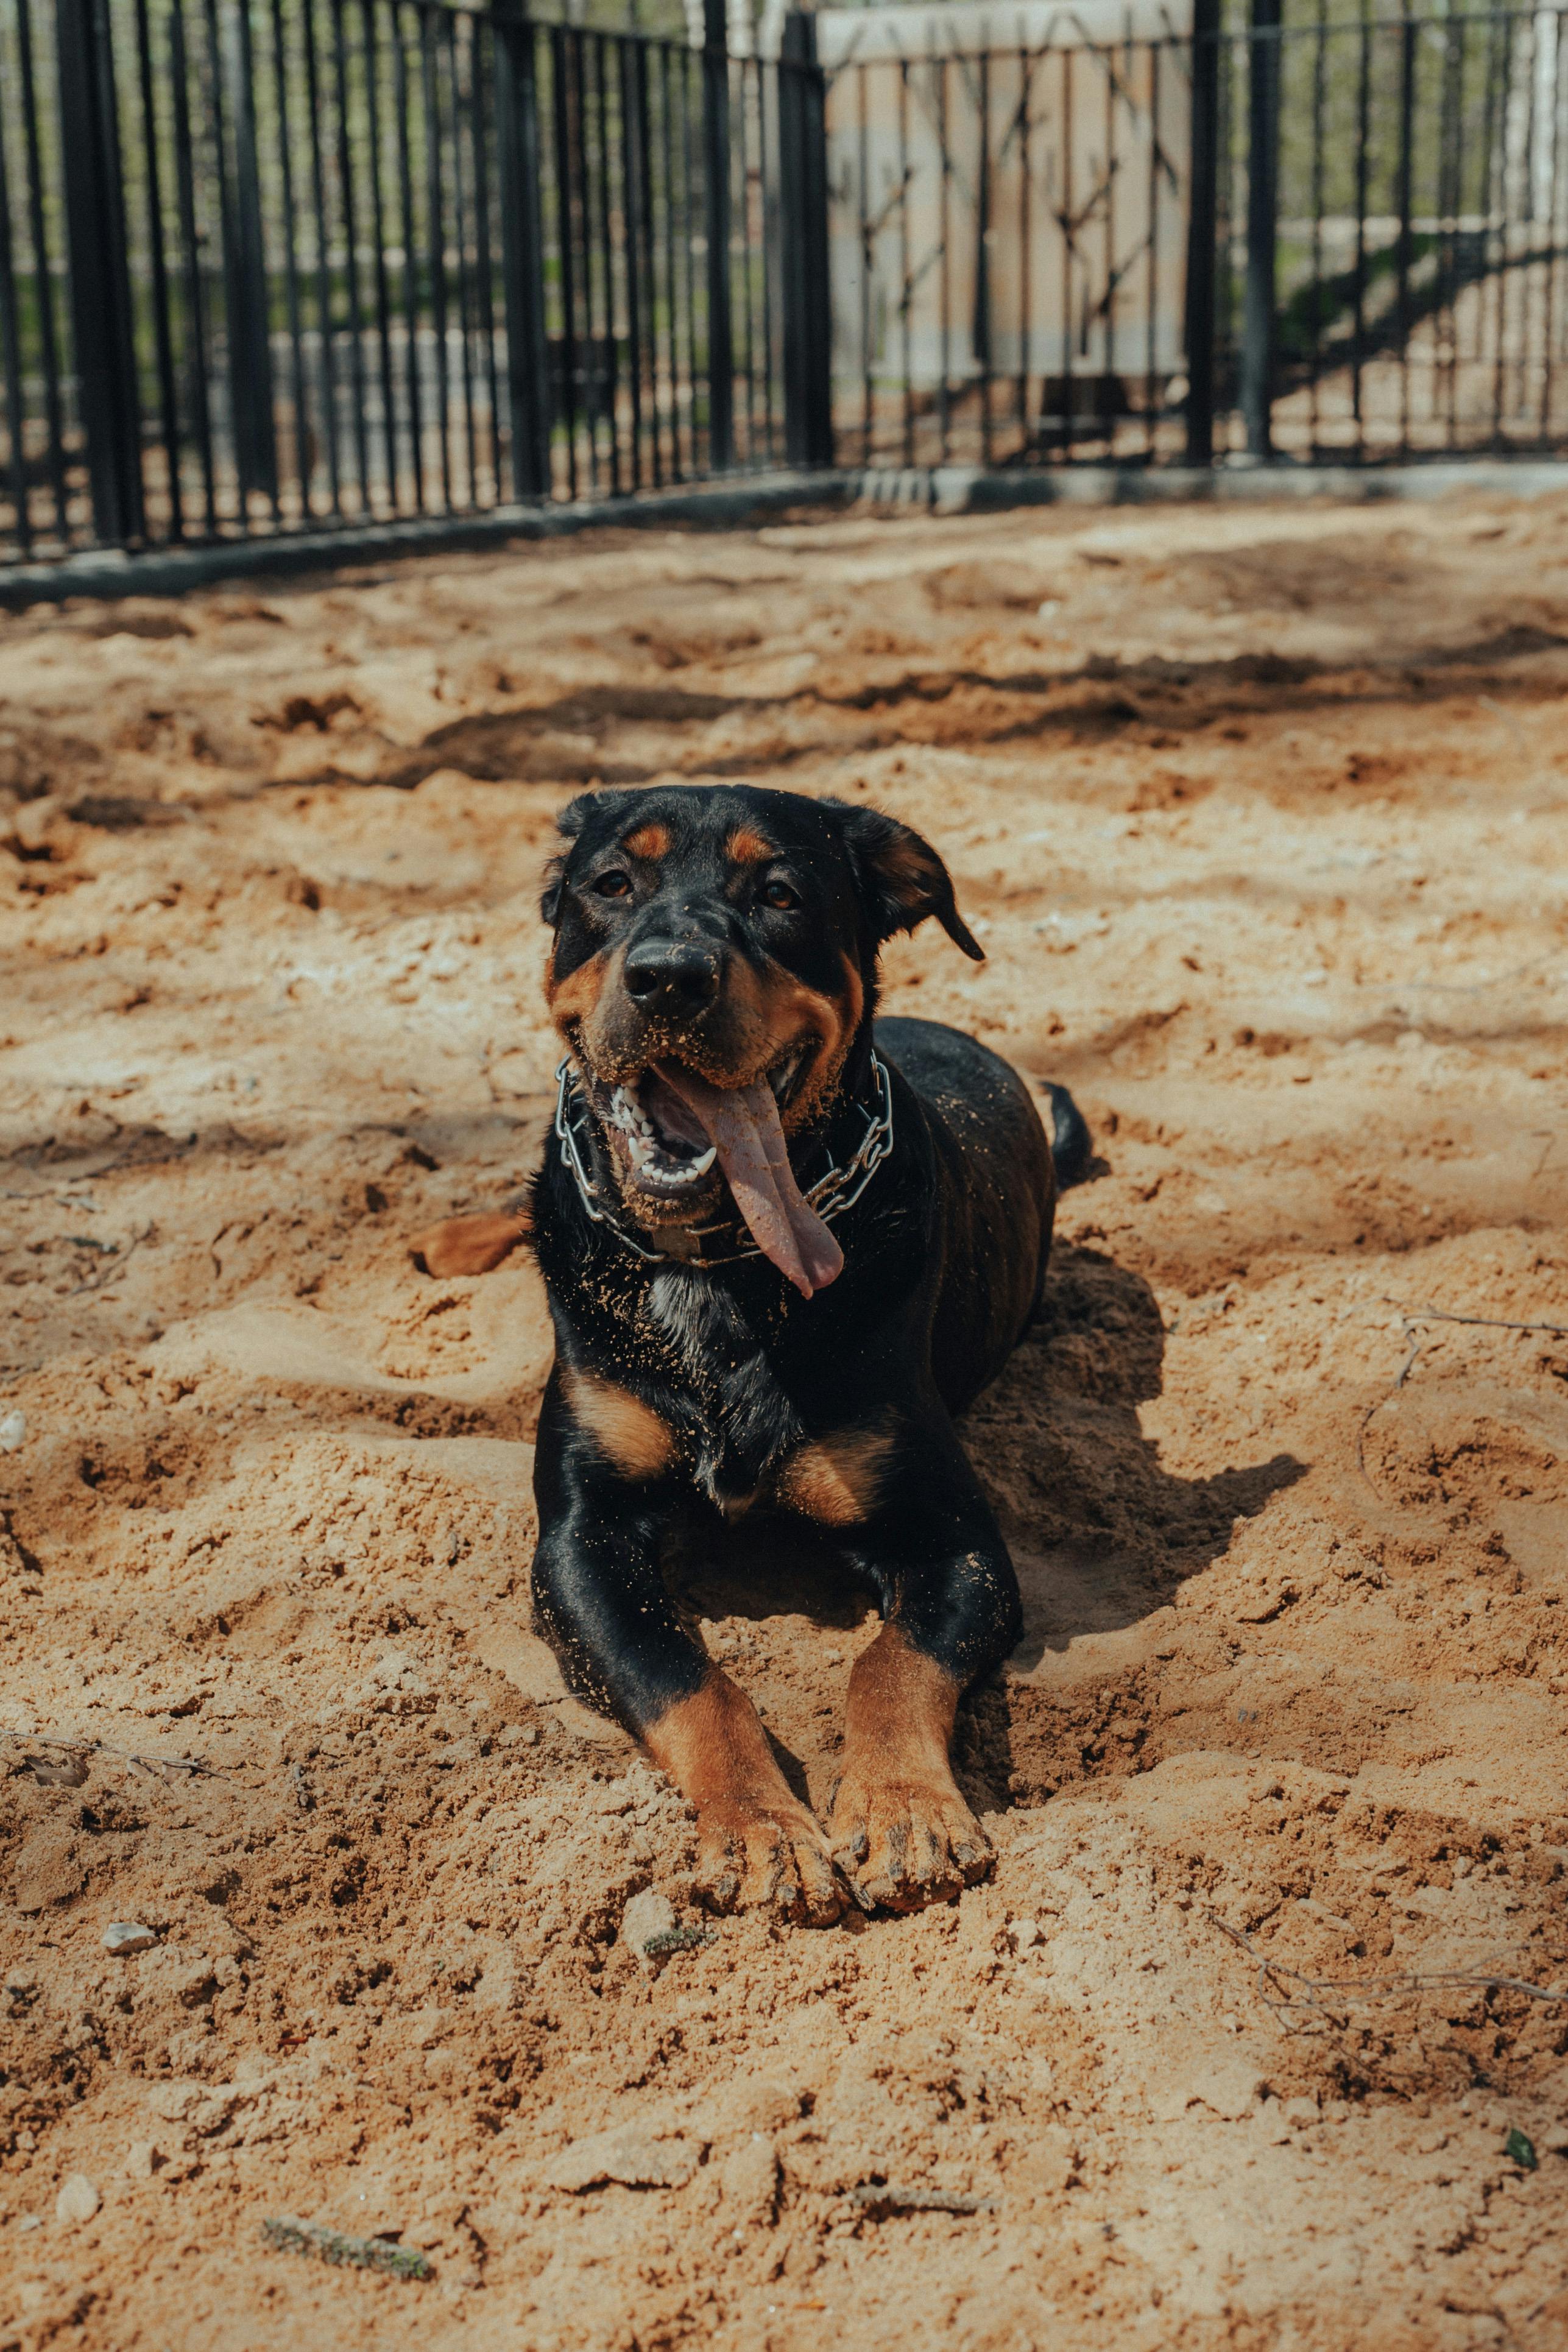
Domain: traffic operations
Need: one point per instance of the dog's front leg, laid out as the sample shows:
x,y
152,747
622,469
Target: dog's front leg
x,y
902,1831
601,1601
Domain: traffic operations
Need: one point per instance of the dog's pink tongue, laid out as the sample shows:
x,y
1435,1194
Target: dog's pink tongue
x,y
742,1125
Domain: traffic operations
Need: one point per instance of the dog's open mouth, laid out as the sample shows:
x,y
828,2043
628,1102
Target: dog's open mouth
x,y
670,1127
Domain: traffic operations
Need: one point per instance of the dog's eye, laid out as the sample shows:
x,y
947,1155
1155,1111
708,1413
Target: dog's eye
x,y
779,894
613,885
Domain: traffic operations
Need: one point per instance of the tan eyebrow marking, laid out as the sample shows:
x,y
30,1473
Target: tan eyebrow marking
x,y
649,840
748,848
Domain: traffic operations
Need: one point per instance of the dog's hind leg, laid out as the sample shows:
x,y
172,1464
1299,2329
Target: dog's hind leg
x,y
901,1831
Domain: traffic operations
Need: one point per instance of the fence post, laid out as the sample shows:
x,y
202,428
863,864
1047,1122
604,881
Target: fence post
x,y
245,275
1258,334
803,237
716,182
99,270
522,248
1203,231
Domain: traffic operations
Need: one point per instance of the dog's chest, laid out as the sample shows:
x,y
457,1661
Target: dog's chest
x,y
732,1416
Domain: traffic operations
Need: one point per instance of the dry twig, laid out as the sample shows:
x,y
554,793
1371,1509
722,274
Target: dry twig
x,y
113,1266
336,2246
1293,1991
73,1753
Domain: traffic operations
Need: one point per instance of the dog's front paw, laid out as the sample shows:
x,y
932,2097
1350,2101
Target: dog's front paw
x,y
766,1857
902,1843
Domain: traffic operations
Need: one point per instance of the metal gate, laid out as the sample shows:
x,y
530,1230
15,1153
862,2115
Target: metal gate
x,y
287,268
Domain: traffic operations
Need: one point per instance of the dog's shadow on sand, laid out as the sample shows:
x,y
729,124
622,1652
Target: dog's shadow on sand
x,y
1101,1535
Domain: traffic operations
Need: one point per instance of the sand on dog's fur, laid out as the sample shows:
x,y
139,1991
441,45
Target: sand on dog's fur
x,y
1262,817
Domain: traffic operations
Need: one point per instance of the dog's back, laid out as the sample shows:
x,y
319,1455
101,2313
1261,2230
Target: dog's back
x,y
997,1187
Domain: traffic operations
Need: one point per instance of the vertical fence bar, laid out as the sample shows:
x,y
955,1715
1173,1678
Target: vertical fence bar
x,y
303,466
232,127
863,184
522,251
484,272
1152,279
1405,251
1258,330
190,261
11,348
324,328
410,256
1556,129
1362,182
436,245
1026,246
162,335
53,407
1320,76
378,232
464,287
983,257
561,56
610,347
1503,31
802,230
99,270
1068,418
716,178
350,253
1203,232
748,335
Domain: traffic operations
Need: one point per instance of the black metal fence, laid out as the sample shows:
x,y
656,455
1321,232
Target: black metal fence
x,y
277,267
283,266
1334,240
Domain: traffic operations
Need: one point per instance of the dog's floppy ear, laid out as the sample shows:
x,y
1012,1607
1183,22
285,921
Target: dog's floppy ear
x,y
568,825
902,879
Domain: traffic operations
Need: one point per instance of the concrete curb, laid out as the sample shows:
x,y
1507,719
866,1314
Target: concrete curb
x,y
730,504
110,572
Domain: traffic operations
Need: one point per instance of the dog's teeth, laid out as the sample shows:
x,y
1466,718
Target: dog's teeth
x,y
700,1166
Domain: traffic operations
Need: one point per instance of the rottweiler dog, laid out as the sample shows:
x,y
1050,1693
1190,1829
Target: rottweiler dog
x,y
784,1246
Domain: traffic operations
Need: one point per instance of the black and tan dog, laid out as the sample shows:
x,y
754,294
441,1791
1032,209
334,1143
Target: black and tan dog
x,y
782,1249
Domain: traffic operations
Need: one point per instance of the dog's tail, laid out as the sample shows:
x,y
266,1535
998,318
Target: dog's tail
x,y
1072,1146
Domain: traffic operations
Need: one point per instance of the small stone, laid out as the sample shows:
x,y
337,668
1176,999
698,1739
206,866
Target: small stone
x,y
518,1735
650,1928
78,2200
628,2154
141,2160
1025,1934
129,1936
12,1429
646,1917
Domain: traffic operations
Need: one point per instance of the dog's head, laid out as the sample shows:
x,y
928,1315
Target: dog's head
x,y
713,967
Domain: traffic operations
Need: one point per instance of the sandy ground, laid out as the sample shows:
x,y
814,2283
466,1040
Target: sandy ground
x,y
1263,817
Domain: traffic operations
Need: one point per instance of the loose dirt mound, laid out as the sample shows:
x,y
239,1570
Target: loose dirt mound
x,y
1262,817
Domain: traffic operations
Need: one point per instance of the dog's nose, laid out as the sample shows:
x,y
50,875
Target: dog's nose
x,y
669,976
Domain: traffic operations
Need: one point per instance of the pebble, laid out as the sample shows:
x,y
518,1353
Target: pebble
x,y
627,2155
12,1429
129,1936
78,2200
647,1918
1024,1934
649,1927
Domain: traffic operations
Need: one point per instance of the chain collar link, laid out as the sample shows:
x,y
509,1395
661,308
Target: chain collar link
x,y
830,1196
